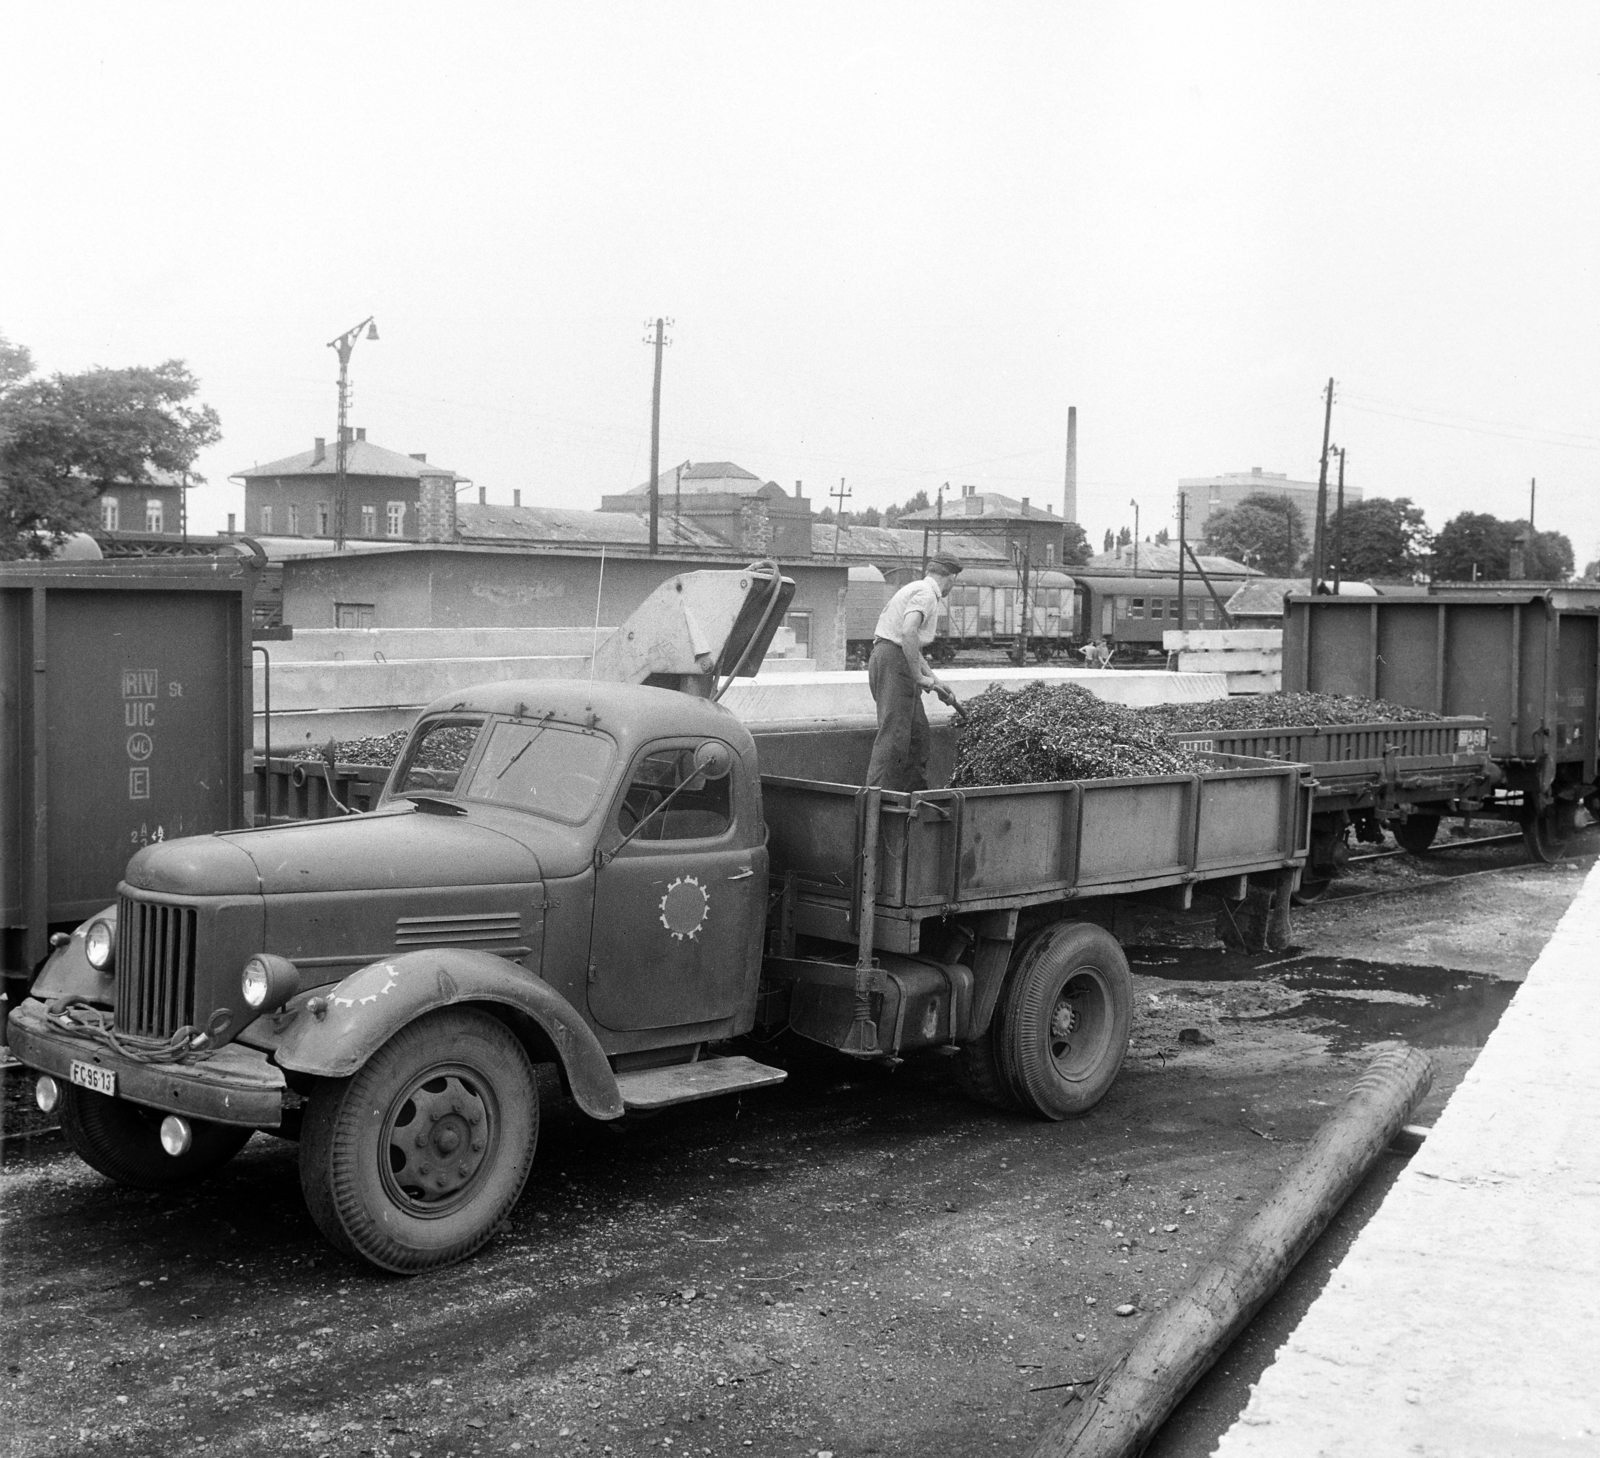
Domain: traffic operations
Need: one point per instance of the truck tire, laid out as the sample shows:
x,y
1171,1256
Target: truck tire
x,y
979,1074
1416,832
123,1141
413,1161
1067,1018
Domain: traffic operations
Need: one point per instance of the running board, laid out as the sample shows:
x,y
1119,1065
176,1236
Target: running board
x,y
682,1083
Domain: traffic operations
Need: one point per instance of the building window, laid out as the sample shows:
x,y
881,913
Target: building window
x,y
1216,493
353,614
1049,554
323,529
153,515
293,513
800,625
369,521
396,524
266,518
110,513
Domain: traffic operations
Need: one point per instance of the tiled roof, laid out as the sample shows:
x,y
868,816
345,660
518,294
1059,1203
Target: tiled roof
x,y
722,477
1162,561
476,523
1263,598
992,505
887,543
362,458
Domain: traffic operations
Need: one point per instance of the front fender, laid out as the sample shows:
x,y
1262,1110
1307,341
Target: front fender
x,y
370,1006
67,972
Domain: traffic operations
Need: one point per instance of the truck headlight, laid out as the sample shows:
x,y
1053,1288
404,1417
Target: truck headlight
x,y
100,945
268,982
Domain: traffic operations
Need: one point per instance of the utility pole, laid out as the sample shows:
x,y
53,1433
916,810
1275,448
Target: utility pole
x,y
1533,490
660,342
1183,542
1318,544
1338,530
345,346
841,496
1135,506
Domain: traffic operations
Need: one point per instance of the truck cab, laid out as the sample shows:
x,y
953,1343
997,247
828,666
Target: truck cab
x,y
556,871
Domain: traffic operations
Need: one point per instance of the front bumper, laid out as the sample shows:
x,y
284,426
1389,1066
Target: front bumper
x,y
235,1085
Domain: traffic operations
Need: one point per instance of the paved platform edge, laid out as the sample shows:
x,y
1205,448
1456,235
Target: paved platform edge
x,y
1465,1319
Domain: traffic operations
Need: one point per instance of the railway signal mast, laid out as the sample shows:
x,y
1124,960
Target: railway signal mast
x,y
345,345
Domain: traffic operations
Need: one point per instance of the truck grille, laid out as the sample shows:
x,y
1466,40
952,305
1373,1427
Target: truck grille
x,y
155,967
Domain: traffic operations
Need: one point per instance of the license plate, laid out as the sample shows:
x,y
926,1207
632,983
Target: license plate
x,y
86,1075
1470,739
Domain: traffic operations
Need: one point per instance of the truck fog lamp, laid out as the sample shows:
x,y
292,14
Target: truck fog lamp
x,y
100,945
176,1135
47,1093
268,982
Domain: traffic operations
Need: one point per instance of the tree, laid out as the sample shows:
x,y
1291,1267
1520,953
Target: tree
x,y
1382,538
1163,538
1110,540
1125,538
919,502
66,439
1478,544
1265,530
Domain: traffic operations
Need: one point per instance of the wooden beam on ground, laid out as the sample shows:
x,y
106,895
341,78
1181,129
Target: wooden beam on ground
x,y
1135,1394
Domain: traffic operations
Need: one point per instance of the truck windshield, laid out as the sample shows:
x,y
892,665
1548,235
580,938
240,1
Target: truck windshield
x,y
437,756
552,769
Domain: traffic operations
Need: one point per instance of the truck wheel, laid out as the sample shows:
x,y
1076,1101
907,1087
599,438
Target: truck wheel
x,y
978,1072
1067,1018
123,1141
1416,832
414,1161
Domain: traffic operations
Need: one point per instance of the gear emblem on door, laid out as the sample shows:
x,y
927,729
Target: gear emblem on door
x,y
683,908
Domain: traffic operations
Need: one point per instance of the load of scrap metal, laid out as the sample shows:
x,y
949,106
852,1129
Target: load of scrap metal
x,y
1060,731
1283,711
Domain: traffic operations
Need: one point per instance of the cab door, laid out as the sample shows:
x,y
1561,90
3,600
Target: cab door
x,y
680,899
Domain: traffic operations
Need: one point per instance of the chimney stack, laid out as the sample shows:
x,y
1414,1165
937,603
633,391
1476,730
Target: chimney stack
x,y
516,498
1069,497
361,432
483,496
797,495
319,451
420,456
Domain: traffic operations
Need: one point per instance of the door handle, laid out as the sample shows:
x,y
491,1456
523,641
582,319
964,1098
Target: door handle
x,y
742,875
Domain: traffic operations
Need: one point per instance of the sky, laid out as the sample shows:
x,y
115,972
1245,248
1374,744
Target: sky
x,y
896,241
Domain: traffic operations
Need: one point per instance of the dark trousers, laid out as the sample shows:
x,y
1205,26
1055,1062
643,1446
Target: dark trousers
x,y
900,752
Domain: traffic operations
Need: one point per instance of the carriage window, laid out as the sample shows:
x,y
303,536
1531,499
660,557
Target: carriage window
x,y
697,810
1135,607
1174,608
1156,607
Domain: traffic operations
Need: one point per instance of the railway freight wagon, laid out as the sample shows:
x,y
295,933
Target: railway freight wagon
x,y
1524,662
1132,613
124,722
1396,776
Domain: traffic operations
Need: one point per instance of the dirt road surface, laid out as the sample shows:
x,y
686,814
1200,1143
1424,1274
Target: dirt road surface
x,y
858,1262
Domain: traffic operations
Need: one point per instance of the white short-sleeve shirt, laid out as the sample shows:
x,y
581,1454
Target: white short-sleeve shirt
x,y
921,596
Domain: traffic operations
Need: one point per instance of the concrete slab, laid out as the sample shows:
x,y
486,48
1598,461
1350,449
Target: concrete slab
x,y
1465,1321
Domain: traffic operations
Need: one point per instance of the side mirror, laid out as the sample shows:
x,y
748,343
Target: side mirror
x,y
712,760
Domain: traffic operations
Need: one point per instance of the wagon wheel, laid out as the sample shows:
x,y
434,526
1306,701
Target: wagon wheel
x,y
1311,888
1416,832
1066,1021
1546,833
414,1161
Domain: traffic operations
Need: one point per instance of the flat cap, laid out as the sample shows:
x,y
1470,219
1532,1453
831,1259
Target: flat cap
x,y
944,563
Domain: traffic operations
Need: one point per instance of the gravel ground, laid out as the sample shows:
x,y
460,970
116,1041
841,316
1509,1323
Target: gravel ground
x,y
858,1262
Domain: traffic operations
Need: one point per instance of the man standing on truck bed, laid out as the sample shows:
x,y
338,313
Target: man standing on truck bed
x,y
899,675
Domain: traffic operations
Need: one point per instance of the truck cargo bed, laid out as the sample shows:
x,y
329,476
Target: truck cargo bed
x,y
942,852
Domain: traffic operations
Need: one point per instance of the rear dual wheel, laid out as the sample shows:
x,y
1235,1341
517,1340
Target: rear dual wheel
x,y
1061,1030
414,1161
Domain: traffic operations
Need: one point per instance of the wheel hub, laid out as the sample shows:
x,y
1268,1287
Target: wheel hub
x,y
1063,1023
438,1139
